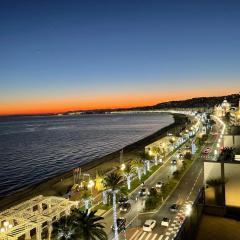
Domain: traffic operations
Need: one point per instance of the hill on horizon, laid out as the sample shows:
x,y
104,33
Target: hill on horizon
x,y
198,102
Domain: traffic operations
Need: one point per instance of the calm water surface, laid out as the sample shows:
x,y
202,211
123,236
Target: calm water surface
x,y
35,148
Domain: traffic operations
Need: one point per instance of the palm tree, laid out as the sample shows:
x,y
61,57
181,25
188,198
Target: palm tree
x,y
227,154
138,165
128,171
156,151
64,229
86,196
113,183
88,226
217,184
146,161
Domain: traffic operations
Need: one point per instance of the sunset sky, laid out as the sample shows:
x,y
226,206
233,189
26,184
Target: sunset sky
x,y
62,55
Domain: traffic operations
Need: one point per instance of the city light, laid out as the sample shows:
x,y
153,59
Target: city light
x,y
6,227
91,184
188,209
123,167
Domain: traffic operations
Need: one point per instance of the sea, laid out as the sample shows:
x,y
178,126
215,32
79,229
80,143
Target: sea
x,y
35,148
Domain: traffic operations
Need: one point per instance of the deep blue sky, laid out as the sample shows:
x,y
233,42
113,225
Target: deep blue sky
x,y
86,54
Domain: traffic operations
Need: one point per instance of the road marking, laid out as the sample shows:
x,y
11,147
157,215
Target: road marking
x,y
154,236
166,238
148,236
160,238
135,234
141,237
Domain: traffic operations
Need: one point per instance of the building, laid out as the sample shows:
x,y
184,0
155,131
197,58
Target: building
x,y
221,177
33,218
235,115
222,109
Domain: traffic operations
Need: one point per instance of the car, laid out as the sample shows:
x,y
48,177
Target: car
x,y
206,151
174,207
143,192
125,207
181,155
149,225
159,184
121,223
165,222
174,162
122,200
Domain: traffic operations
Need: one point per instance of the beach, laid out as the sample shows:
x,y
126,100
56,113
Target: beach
x,y
59,185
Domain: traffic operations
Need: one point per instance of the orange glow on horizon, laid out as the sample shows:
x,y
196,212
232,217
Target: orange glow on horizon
x,y
110,101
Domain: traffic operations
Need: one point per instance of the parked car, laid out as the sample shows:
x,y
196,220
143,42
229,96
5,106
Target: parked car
x,y
174,207
143,192
159,184
174,162
149,225
123,200
165,222
125,207
121,223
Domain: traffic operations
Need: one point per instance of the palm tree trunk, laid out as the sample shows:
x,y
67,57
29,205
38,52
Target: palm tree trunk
x,y
148,165
139,173
129,182
104,197
115,216
86,204
145,168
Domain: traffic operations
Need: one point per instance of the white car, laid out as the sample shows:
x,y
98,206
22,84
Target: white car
x,y
149,225
165,222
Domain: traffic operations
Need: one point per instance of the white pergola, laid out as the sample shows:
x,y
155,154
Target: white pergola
x,y
32,217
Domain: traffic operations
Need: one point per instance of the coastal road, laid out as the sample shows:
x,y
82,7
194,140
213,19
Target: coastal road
x,y
186,191
163,174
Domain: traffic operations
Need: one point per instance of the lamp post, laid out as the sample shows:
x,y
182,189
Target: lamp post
x,y
90,185
188,210
6,227
122,166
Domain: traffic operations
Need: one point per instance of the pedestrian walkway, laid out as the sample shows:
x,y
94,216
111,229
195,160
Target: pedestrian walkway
x,y
141,235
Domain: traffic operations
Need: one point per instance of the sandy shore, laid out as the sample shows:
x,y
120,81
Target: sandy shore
x,y
58,185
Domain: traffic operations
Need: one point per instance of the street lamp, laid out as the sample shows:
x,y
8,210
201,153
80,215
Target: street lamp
x,y
6,227
90,185
188,209
123,166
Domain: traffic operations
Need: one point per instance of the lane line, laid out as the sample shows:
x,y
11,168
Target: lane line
x,y
148,236
154,236
141,237
135,234
160,238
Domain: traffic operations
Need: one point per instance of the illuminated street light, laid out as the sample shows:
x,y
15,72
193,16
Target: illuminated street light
x,y
123,166
6,227
188,209
150,152
91,185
